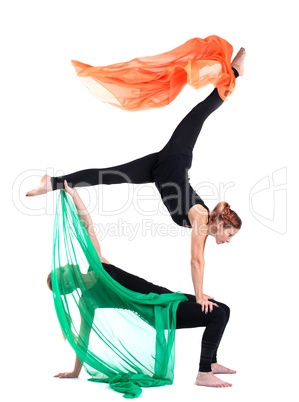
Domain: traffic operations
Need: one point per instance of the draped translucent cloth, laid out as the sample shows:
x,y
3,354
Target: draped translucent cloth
x,y
122,337
155,81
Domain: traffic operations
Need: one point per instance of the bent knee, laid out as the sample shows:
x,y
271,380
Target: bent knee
x,y
224,307
227,310
220,315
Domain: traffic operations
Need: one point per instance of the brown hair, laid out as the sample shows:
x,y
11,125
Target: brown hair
x,y
223,213
49,281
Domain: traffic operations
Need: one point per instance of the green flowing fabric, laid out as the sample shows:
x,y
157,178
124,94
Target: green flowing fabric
x,y
122,337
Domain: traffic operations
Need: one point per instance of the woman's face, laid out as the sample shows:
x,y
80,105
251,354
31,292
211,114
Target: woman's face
x,y
66,280
224,235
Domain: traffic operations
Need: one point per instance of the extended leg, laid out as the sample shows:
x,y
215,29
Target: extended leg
x,y
185,135
137,171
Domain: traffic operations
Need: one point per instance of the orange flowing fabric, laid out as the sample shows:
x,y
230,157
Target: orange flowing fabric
x,y
155,81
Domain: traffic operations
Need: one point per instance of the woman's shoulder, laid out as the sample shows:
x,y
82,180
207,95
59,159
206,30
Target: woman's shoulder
x,y
198,213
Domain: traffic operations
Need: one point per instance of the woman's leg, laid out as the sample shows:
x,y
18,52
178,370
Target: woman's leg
x,y
227,312
133,282
138,171
190,315
224,307
185,135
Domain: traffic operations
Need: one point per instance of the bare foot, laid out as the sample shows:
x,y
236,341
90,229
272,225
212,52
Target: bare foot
x,y
238,62
209,380
43,188
218,369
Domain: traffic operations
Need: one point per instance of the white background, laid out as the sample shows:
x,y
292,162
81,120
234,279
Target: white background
x,y
51,123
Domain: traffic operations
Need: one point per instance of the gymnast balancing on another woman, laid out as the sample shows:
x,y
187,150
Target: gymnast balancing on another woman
x,y
189,313
168,169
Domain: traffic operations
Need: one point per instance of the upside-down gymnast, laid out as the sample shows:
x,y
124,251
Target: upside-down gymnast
x,y
168,169
189,313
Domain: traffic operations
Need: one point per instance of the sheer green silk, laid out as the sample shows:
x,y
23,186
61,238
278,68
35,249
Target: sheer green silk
x,y
122,337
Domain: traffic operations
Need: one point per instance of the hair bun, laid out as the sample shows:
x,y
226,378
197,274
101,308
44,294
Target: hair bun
x,y
225,214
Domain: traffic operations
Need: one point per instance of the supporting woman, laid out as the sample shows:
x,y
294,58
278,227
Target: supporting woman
x,y
189,313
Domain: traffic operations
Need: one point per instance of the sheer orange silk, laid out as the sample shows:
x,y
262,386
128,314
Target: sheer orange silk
x,y
155,81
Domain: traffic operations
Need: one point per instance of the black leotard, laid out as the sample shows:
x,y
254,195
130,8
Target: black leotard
x,y
172,181
168,169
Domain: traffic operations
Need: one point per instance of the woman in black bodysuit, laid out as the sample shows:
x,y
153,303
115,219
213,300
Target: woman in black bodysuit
x,y
189,313
168,169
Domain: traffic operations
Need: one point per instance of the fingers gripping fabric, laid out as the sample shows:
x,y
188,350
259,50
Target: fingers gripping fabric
x,y
155,81
122,337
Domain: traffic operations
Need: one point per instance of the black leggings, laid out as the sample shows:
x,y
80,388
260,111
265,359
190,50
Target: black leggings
x,y
141,170
189,314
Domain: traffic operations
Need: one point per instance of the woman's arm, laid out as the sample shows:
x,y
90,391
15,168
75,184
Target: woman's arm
x,y
83,340
198,240
85,219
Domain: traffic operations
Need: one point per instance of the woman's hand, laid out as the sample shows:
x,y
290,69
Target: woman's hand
x,y
206,305
71,191
206,297
67,375
75,373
